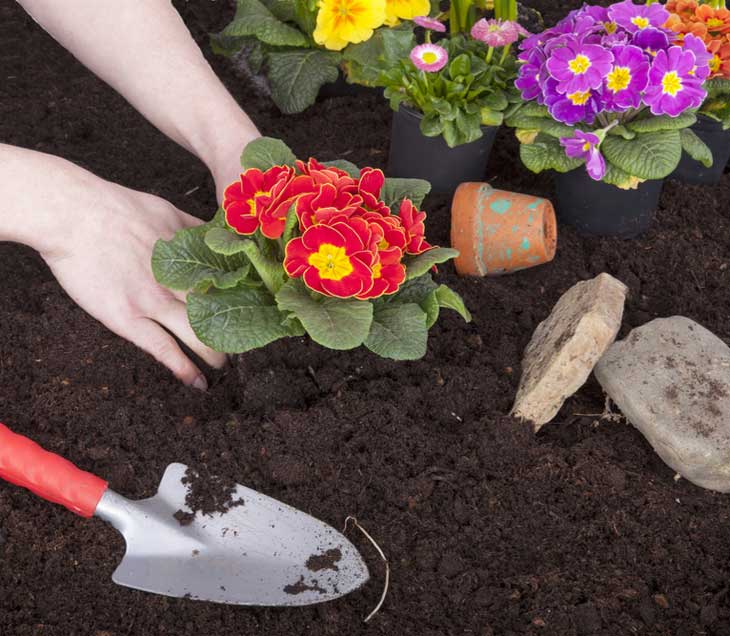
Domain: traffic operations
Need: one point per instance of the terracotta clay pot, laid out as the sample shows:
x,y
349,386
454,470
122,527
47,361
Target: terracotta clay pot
x,y
497,232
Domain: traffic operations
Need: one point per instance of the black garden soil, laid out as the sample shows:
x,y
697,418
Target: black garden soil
x,y
490,530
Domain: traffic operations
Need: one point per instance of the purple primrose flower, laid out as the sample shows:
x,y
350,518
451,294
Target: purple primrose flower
x,y
570,108
651,40
584,145
702,55
635,17
627,79
579,67
673,84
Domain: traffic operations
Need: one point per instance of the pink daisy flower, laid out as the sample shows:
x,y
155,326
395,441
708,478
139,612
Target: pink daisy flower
x,y
496,32
429,57
430,23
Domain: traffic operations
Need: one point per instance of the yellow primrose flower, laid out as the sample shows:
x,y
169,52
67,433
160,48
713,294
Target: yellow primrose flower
x,y
341,22
396,10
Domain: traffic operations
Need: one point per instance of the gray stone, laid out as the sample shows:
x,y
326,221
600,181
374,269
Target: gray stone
x,y
567,345
671,379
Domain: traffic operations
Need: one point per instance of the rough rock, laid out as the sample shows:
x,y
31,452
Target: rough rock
x,y
567,345
671,379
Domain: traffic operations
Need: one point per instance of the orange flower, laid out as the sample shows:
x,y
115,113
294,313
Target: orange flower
x,y
716,20
683,8
682,27
720,62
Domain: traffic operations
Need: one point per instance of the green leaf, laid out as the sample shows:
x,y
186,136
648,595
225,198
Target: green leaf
x,y
334,323
223,241
546,153
431,307
496,101
421,291
662,122
292,224
532,109
431,125
236,320
717,86
297,75
619,178
266,152
349,167
419,265
398,331
395,190
622,131
253,18
460,65
652,155
186,262
449,299
695,147
548,126
365,61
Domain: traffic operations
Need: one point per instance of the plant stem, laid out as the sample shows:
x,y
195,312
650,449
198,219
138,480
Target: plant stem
x,y
490,53
505,53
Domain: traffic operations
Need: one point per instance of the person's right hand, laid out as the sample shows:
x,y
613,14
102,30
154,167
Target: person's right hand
x,y
102,259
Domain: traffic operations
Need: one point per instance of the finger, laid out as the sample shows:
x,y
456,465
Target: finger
x,y
188,220
173,316
153,339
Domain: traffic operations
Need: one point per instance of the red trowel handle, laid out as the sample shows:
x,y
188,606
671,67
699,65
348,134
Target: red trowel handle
x,y
24,463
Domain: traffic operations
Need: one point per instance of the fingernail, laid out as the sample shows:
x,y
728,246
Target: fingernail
x,y
200,383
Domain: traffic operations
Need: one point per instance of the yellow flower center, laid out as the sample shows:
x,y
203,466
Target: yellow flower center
x,y
383,245
377,271
715,63
579,97
618,79
429,57
331,261
610,27
579,64
586,146
252,201
714,23
640,21
671,84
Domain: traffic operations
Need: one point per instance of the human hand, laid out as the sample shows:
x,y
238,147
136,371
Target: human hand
x,y
101,257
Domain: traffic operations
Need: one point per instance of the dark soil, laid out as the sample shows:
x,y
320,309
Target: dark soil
x,y
490,531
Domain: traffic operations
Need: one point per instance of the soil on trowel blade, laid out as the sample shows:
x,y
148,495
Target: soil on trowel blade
x,y
208,494
489,530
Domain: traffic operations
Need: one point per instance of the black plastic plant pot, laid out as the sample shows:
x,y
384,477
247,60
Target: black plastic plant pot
x,y
690,171
415,156
600,209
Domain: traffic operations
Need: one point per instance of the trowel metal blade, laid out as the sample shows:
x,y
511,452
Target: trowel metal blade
x,y
262,552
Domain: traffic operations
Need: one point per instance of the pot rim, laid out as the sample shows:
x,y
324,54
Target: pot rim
x,y
417,114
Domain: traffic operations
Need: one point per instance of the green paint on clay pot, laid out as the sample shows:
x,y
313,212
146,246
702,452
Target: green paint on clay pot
x,y
500,206
525,245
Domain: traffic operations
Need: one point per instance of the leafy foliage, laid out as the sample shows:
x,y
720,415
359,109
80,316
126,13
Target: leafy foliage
x,y
647,147
241,297
456,102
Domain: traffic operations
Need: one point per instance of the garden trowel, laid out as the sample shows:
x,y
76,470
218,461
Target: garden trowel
x,y
259,552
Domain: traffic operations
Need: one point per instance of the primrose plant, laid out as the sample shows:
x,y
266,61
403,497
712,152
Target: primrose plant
x,y
460,83
711,23
300,45
614,89
323,250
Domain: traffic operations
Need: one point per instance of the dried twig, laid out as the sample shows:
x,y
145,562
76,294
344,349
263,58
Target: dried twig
x,y
382,556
